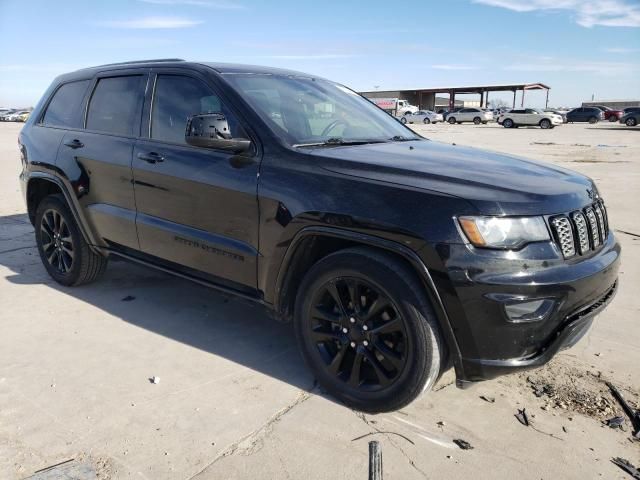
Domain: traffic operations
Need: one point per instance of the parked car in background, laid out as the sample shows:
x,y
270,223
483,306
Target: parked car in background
x,y
446,113
630,110
610,114
529,117
475,115
6,114
422,116
585,114
15,116
23,117
562,113
631,119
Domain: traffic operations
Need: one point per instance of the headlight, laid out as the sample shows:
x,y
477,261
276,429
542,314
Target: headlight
x,y
504,232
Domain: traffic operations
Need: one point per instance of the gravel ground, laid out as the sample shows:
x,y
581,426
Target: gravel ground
x,y
234,401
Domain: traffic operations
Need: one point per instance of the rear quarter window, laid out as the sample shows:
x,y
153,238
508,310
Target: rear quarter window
x,y
64,109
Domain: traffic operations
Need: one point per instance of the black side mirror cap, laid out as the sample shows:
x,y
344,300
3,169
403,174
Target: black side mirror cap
x,y
211,130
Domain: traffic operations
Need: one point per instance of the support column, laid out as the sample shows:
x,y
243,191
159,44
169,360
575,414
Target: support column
x,y
546,103
481,99
486,100
514,99
452,100
522,103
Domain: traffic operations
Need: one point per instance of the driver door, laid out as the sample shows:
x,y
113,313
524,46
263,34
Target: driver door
x,y
196,207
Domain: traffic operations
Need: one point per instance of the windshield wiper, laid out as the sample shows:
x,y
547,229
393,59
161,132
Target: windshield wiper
x,y
400,138
337,141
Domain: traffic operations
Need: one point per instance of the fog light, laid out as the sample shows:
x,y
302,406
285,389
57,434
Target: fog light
x,y
529,311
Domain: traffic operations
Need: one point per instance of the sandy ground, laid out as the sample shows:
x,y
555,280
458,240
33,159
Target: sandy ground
x,y
235,402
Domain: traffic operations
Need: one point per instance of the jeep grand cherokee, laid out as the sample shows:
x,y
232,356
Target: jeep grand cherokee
x,y
395,257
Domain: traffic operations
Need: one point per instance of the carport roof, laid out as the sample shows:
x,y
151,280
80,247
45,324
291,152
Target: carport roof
x,y
471,89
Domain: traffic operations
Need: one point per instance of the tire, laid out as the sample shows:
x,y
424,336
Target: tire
x,y
412,341
508,123
67,258
403,121
477,121
426,121
613,118
451,120
545,123
593,120
631,122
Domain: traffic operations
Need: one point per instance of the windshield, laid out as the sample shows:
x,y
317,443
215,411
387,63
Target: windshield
x,y
309,111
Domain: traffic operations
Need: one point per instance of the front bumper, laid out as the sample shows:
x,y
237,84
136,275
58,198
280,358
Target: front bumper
x,y
490,343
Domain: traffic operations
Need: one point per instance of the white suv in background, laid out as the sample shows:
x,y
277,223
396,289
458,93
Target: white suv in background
x,y
475,115
529,117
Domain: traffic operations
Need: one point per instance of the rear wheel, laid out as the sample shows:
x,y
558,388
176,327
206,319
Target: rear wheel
x,y
403,120
426,120
593,119
507,123
367,331
477,120
613,118
545,123
451,120
64,253
631,122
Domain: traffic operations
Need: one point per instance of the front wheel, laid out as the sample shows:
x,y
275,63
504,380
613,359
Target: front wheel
x,y
367,330
64,253
613,118
508,123
477,120
403,121
451,120
593,120
426,121
544,123
631,122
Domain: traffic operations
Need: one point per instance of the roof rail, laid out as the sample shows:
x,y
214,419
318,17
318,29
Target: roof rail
x,y
152,60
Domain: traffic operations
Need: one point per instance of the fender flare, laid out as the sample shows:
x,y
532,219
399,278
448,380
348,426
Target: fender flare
x,y
79,219
409,255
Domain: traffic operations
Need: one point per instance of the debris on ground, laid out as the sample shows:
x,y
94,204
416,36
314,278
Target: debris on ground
x,y
155,380
128,298
615,422
634,414
627,467
441,423
488,399
522,417
574,388
463,444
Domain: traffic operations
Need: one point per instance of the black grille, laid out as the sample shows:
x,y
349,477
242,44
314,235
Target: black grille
x,y
581,231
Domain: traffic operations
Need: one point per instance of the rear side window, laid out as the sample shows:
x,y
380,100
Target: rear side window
x,y
116,104
64,108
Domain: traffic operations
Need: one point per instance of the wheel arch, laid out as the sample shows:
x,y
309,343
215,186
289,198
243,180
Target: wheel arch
x,y
39,186
315,242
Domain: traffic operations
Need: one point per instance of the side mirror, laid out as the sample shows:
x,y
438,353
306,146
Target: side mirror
x,y
211,130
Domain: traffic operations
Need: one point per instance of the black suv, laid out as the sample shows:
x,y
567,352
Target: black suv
x,y
396,257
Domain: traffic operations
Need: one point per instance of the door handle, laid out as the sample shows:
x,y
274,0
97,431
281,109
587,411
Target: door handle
x,y
151,157
75,143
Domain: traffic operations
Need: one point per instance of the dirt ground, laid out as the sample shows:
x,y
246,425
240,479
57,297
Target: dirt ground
x,y
234,400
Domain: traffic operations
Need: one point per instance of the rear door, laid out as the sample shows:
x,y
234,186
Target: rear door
x,y
197,207
98,157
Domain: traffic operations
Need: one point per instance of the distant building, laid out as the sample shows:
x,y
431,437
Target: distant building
x,y
615,104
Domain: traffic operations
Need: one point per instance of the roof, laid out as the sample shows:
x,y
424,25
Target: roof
x,y
471,89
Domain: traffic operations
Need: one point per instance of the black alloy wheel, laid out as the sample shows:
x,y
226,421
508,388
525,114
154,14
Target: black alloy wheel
x,y
359,333
56,241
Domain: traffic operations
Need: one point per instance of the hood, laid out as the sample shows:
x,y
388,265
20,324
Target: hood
x,y
495,183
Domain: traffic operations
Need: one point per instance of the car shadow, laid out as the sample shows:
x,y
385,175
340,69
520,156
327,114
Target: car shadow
x,y
620,127
237,330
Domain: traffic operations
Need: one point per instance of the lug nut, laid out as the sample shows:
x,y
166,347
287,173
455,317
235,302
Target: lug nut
x,y
365,343
353,344
345,330
352,320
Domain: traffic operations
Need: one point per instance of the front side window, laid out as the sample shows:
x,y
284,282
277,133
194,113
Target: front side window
x,y
303,110
178,97
64,108
116,104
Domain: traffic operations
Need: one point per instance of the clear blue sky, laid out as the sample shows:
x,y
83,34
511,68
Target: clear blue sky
x,y
579,47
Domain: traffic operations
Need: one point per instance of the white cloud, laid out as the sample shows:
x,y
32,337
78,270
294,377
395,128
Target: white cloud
x,y
449,66
219,4
587,13
152,23
620,50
